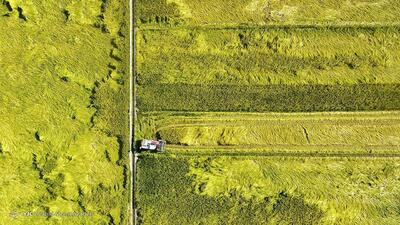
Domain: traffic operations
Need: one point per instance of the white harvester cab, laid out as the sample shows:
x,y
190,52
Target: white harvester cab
x,y
152,145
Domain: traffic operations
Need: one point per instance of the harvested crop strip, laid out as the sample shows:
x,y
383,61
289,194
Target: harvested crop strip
x,y
254,190
275,132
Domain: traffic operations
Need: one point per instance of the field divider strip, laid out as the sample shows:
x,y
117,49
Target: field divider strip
x,y
212,115
271,26
283,154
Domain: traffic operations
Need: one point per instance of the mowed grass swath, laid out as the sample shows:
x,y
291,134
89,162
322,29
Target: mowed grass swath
x,y
365,132
63,100
259,12
254,190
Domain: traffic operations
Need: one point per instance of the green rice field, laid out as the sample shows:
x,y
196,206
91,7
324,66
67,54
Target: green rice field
x,y
273,112
63,112
258,190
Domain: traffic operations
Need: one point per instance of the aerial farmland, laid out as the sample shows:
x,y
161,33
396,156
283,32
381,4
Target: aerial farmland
x,y
273,112
180,112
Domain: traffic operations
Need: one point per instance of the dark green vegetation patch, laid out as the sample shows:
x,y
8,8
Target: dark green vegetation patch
x,y
156,11
275,98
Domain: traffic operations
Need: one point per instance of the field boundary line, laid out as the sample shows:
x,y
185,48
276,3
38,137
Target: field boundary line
x,y
282,154
196,114
272,26
259,146
386,122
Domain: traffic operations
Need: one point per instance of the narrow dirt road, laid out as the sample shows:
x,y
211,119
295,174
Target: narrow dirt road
x,y
132,115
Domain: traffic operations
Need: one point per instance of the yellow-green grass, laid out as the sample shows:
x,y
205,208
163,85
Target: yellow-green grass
x,y
340,132
261,190
63,104
272,69
264,56
221,12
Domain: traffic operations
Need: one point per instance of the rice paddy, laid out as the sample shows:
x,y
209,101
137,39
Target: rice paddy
x,y
274,112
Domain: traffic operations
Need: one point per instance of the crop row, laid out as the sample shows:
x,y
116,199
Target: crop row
x,y
252,190
195,12
258,56
269,98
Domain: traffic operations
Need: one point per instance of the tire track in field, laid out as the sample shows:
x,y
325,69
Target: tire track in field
x,y
394,25
289,150
287,154
233,122
210,119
